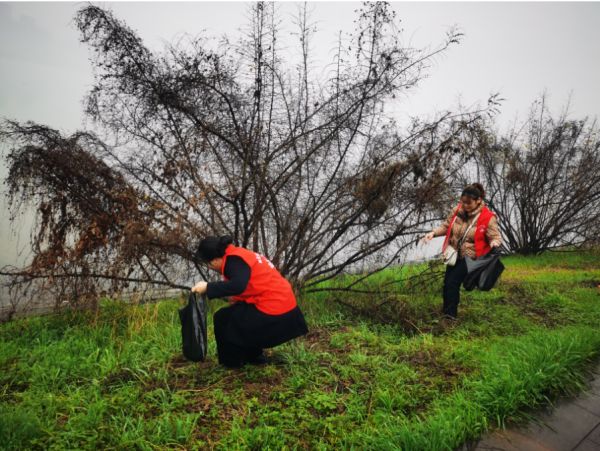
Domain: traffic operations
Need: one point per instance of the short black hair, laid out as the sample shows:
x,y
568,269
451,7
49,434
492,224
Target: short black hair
x,y
212,247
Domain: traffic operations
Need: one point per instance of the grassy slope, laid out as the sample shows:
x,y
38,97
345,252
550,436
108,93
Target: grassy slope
x,y
396,379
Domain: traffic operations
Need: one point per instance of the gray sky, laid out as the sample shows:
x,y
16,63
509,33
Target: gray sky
x,y
518,49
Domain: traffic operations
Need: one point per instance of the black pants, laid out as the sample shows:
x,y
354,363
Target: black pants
x,y
242,331
454,277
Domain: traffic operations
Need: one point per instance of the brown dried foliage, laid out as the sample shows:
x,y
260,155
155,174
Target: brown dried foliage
x,y
205,140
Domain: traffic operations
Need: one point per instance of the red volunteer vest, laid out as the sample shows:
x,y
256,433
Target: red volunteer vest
x,y
482,246
267,288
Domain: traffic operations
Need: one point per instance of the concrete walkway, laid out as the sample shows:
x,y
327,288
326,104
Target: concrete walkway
x,y
573,425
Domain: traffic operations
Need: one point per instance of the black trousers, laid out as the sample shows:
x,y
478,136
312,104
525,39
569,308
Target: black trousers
x,y
453,279
242,332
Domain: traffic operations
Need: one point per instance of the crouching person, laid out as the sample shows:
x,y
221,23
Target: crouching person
x,y
263,311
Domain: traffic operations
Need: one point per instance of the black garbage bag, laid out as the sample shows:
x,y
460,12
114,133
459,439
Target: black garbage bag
x,y
193,328
483,272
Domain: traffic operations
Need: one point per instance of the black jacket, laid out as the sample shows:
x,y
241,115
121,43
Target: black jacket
x,y
237,272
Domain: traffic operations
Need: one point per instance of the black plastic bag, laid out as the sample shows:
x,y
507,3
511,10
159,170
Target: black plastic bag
x,y
483,272
193,328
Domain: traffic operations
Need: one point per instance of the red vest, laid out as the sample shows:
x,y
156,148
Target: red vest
x,y
482,246
267,288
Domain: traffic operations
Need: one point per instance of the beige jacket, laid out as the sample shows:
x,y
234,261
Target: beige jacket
x,y
460,226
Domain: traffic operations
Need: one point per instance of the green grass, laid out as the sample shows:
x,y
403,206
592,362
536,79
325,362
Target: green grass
x,y
375,372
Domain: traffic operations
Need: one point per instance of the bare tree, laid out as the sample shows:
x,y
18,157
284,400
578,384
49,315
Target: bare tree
x,y
234,140
543,180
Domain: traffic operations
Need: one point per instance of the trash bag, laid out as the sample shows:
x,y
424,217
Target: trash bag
x,y
483,272
193,328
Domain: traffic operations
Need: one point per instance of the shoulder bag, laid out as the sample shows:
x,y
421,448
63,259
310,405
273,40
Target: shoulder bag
x,y
450,254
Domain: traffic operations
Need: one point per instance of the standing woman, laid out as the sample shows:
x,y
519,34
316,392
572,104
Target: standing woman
x,y
263,311
472,229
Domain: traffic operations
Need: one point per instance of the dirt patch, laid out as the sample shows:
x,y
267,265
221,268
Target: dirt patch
x,y
216,416
591,284
12,389
62,419
434,363
184,374
438,372
317,335
114,380
179,361
218,396
341,387
410,318
319,340
518,297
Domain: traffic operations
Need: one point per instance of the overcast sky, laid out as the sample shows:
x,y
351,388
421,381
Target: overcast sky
x,y
517,49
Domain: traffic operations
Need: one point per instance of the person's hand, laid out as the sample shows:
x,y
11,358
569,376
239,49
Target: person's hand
x,y
427,238
200,287
495,243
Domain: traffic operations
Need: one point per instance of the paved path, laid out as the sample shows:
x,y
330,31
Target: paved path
x,y
573,425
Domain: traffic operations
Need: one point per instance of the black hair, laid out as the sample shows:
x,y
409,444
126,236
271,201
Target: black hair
x,y
474,191
212,247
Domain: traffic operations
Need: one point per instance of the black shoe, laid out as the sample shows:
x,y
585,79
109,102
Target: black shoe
x,y
259,360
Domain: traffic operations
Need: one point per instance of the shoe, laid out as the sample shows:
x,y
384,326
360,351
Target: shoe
x,y
448,322
259,360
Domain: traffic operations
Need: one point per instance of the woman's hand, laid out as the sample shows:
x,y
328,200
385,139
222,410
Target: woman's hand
x,y
200,287
495,243
427,238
